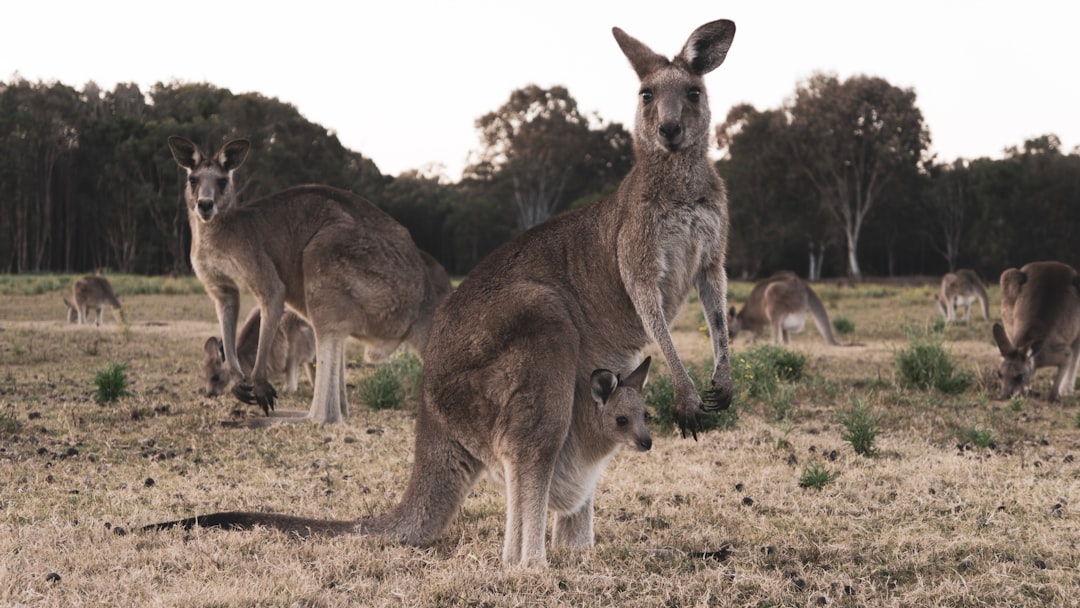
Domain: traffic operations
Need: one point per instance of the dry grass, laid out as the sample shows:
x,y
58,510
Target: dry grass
x,y
719,522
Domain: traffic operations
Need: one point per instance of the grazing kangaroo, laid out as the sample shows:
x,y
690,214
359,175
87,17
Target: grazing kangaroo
x,y
961,288
1040,308
780,303
341,263
509,372
91,292
293,348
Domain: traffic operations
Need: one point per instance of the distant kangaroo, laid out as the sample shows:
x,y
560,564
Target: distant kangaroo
x,y
509,372
339,261
293,348
961,288
1040,308
91,292
780,303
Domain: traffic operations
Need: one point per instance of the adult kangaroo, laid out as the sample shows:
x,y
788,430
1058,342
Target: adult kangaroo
x,y
962,288
781,304
509,371
341,263
1040,309
293,348
91,293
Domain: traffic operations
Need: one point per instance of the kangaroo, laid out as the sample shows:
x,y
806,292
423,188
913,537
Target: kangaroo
x,y
961,288
91,292
293,348
618,417
780,303
341,263
509,370
1040,308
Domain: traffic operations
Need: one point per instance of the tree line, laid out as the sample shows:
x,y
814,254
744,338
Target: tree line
x,y
837,181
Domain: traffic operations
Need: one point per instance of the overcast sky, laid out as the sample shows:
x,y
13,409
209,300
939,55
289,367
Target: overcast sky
x,y
403,81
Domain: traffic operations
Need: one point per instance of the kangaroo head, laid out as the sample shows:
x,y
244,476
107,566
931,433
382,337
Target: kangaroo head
x,y
621,407
215,370
209,188
673,111
72,312
733,323
1017,365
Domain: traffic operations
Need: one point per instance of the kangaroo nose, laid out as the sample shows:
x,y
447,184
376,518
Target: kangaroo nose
x,y
206,206
645,444
670,130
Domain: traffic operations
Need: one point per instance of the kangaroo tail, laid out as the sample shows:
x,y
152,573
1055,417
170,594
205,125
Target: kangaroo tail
x,y
246,520
821,318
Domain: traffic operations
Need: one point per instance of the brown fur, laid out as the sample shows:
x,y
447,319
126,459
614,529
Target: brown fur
x,y
509,381
91,292
962,288
337,260
293,348
1040,310
780,304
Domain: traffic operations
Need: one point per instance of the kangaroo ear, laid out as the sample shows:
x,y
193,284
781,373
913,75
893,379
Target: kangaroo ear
x,y
642,58
603,383
1004,345
233,154
637,378
184,152
707,47
214,348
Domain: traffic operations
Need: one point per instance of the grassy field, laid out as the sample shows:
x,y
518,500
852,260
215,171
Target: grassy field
x,y
965,501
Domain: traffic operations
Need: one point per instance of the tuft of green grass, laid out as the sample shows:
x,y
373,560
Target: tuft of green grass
x,y
860,428
816,476
924,365
660,394
843,325
382,389
391,385
758,371
111,383
976,436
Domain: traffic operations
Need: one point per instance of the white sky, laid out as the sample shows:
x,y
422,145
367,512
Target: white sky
x,y
403,81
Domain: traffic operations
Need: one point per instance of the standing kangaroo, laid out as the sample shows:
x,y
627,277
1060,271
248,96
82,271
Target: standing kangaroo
x,y
1040,308
91,292
293,347
339,261
509,371
780,303
961,288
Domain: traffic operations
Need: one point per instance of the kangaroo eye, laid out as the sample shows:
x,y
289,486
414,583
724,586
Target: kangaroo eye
x,y
222,183
694,95
194,181
646,96
622,421
215,378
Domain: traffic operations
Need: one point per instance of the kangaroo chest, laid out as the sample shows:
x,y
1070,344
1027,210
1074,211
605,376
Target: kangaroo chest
x,y
687,238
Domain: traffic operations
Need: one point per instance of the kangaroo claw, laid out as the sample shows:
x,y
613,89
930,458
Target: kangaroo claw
x,y
716,400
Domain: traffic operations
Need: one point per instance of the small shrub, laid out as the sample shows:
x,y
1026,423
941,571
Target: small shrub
x,y
660,394
924,364
843,325
978,437
111,383
9,426
860,428
760,369
382,390
816,476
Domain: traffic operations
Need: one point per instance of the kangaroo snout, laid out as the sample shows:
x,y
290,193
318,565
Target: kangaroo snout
x,y
206,208
644,444
671,132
